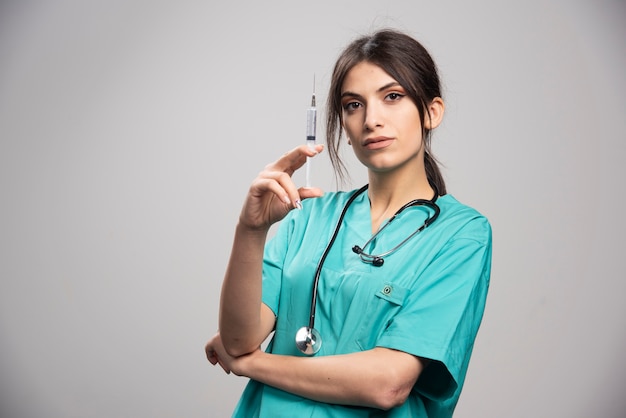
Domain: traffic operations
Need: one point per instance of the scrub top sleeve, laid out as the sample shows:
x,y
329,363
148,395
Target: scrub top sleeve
x,y
440,316
273,263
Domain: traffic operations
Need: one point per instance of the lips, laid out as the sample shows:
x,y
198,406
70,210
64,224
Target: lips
x,y
377,142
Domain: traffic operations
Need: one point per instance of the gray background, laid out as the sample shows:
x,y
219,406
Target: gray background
x,y
130,130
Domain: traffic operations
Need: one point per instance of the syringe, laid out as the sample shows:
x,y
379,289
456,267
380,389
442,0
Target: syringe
x,y
311,117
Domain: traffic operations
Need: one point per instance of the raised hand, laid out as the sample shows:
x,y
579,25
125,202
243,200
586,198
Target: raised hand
x,y
273,193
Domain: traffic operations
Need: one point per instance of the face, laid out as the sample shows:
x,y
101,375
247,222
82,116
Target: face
x,y
381,122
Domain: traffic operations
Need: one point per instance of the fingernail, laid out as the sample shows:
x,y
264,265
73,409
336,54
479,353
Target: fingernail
x,y
298,204
286,199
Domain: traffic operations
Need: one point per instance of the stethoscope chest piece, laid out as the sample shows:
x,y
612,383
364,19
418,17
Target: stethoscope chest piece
x,y
308,340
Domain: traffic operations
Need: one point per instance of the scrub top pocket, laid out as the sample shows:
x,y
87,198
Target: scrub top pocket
x,y
385,300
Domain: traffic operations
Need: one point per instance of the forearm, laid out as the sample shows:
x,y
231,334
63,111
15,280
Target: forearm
x,y
244,322
240,304
379,378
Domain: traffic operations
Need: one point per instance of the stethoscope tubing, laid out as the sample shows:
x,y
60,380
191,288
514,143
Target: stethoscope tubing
x,y
364,256
421,202
318,271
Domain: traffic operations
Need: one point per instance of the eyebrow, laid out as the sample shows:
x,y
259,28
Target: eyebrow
x,y
383,88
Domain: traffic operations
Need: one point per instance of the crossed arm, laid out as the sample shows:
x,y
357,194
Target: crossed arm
x,y
380,378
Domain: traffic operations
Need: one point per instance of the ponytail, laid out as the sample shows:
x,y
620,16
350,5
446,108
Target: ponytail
x,y
433,174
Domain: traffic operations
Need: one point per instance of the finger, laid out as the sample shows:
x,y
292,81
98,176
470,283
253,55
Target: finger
x,y
294,159
310,192
318,148
282,185
281,171
224,367
211,355
271,183
213,359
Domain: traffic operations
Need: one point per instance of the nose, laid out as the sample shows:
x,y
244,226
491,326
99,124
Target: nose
x,y
373,117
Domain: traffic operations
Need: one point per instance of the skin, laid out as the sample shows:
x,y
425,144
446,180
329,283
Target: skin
x,y
383,127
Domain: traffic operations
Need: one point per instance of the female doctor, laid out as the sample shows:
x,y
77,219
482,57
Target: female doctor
x,y
375,295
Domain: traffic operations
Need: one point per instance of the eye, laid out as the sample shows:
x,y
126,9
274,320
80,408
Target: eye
x,y
394,96
351,106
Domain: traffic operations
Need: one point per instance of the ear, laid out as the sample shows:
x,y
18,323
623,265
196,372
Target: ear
x,y
435,109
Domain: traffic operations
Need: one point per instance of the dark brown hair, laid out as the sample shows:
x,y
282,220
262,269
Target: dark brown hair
x,y
408,62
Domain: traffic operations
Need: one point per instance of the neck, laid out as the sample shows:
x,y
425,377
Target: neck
x,y
388,192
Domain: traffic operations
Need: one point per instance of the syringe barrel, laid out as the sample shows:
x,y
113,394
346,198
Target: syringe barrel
x,y
311,119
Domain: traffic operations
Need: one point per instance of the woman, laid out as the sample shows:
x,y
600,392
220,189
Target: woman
x,y
397,303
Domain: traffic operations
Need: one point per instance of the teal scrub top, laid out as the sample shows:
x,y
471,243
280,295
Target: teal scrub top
x,y
427,299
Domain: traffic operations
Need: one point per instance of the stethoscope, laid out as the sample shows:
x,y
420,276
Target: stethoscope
x,y
308,339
